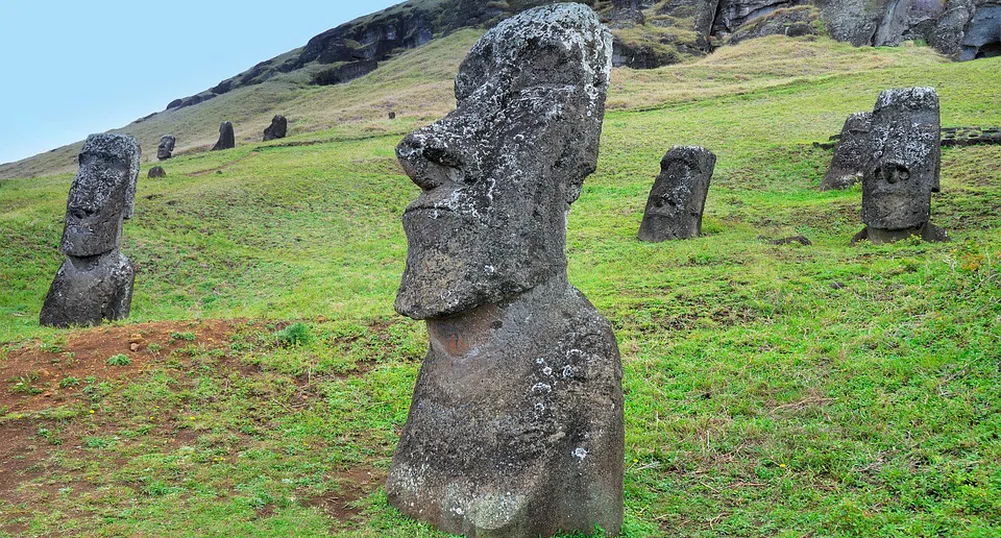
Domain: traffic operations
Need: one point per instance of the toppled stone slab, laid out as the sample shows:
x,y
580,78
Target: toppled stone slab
x,y
516,425
905,165
165,149
95,282
227,138
277,129
852,154
678,198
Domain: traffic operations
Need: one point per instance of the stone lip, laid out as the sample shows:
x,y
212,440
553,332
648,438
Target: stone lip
x,y
927,232
851,154
499,173
678,198
227,138
906,160
102,195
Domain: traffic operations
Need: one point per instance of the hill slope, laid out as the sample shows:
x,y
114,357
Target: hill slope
x,y
771,391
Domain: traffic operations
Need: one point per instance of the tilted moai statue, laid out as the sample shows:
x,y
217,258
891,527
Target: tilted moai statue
x,y
277,129
905,166
95,282
165,150
851,155
678,198
227,138
516,423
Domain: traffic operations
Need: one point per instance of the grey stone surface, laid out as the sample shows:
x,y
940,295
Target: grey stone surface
x,y
678,198
277,129
227,138
790,22
95,281
515,428
851,155
906,162
165,149
982,36
157,172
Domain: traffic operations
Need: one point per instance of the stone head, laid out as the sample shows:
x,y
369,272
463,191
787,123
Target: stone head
x,y
906,159
102,195
498,175
680,191
166,147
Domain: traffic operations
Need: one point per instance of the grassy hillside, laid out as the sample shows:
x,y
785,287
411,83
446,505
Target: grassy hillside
x,y
771,391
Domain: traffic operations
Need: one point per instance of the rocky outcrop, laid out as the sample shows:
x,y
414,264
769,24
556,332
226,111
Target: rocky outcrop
x,y
790,22
344,73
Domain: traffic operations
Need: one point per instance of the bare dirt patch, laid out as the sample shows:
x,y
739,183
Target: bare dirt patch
x,y
38,376
353,484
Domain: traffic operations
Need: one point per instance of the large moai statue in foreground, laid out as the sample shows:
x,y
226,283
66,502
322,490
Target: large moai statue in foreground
x,y
95,281
678,198
851,155
904,169
516,423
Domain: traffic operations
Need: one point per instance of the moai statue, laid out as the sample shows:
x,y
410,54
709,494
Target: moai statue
x,y
95,282
851,155
277,129
678,198
227,139
516,423
904,169
166,148
157,172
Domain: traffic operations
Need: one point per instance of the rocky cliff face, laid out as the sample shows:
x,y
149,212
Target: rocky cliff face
x,y
648,33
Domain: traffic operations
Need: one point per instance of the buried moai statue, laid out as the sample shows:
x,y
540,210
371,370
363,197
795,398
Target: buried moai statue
x,y
227,139
157,172
516,423
95,281
277,129
165,150
678,198
904,168
851,155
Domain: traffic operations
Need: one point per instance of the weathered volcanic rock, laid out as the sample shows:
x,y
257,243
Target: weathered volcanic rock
x,y
227,138
851,155
95,282
165,149
277,129
156,172
790,22
515,428
344,73
982,38
678,198
905,166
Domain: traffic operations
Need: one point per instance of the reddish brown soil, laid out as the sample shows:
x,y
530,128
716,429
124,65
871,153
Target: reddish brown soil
x,y
86,354
353,485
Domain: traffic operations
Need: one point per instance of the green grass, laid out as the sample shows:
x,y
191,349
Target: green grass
x,y
761,400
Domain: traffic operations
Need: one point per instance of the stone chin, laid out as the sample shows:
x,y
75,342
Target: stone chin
x,y
471,265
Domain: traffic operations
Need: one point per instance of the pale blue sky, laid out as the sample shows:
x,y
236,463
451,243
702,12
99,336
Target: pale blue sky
x,y
74,68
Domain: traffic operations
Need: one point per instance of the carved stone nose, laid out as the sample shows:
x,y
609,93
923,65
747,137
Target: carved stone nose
x,y
429,160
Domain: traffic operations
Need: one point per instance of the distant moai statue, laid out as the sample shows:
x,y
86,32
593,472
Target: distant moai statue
x,y
277,129
227,138
678,198
904,169
851,155
165,149
516,424
95,281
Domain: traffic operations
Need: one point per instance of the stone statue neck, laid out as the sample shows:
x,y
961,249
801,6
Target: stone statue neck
x,y
466,333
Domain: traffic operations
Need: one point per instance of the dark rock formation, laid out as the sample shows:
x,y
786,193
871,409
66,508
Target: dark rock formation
x,y
790,22
851,155
227,138
678,198
515,428
982,36
905,166
971,136
794,240
165,149
95,282
277,129
157,172
344,73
